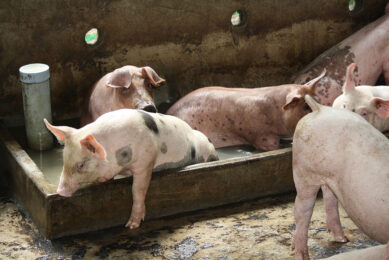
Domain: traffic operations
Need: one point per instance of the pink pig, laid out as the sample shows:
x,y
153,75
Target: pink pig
x,y
341,153
371,253
130,142
364,100
367,47
126,87
235,116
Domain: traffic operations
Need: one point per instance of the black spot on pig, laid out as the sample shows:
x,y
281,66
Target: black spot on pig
x,y
164,148
230,120
192,152
149,122
123,155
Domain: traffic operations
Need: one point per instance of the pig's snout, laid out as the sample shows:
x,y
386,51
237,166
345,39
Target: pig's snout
x,y
149,108
64,192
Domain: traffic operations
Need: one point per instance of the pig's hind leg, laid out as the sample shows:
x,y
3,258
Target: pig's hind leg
x,y
303,208
140,185
332,212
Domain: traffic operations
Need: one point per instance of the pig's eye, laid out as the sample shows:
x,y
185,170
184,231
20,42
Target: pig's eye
x,y
344,105
364,114
306,107
82,165
148,84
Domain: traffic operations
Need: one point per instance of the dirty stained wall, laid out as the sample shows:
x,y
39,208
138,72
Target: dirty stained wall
x,y
190,43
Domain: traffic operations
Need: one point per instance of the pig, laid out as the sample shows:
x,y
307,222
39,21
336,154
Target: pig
x,y
130,142
125,87
372,253
364,100
253,116
366,47
344,155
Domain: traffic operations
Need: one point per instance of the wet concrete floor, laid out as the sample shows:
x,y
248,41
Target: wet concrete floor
x,y
258,229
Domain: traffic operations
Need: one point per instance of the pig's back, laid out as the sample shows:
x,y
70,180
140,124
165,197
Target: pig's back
x,y
380,91
347,153
180,145
212,100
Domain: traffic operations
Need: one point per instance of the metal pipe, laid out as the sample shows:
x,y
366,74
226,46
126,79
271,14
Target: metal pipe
x,y
36,104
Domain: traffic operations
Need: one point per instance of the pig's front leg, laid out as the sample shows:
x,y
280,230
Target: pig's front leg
x,y
267,142
386,256
140,184
332,212
303,208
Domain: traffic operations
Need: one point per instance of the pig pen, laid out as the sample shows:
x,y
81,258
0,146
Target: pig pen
x,y
190,44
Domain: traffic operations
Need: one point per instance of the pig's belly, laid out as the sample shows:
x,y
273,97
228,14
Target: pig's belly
x,y
367,206
221,136
178,154
226,139
173,162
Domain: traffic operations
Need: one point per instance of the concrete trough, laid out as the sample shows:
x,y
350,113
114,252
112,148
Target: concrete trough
x,y
172,191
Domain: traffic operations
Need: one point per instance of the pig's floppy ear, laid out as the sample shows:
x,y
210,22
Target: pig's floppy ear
x,y
119,78
292,98
154,78
349,84
90,143
61,132
381,107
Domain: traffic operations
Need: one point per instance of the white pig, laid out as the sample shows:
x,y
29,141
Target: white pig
x,y
371,253
131,142
364,100
340,152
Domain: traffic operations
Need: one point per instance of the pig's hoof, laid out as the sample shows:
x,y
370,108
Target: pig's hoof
x,y
132,224
342,239
301,255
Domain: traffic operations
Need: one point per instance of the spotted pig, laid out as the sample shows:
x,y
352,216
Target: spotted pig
x,y
254,116
130,142
367,47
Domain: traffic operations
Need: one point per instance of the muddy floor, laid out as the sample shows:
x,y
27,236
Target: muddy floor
x,y
259,229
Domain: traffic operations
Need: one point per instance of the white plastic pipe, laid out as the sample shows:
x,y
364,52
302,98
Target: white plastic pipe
x,y
37,105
